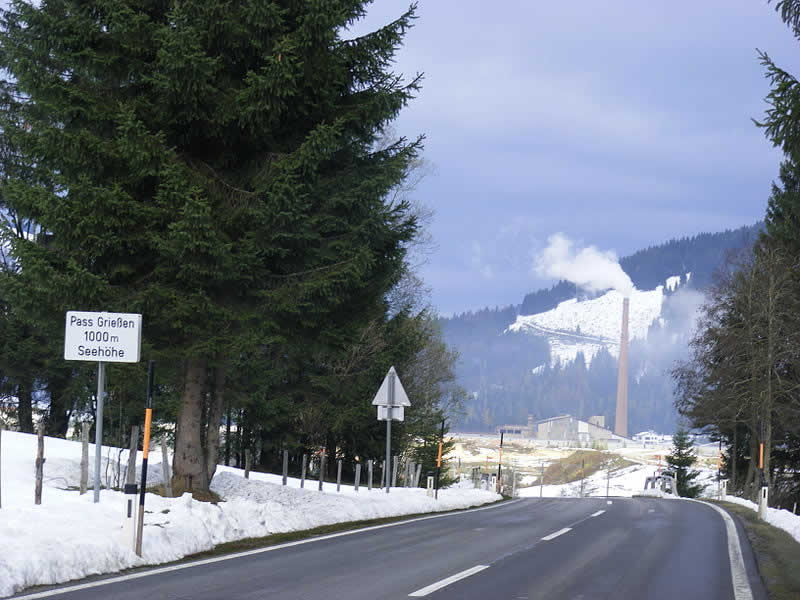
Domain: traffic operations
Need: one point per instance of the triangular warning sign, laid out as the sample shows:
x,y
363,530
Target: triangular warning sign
x,y
382,397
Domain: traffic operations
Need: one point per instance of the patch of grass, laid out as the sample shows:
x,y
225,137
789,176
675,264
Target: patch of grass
x,y
777,553
582,462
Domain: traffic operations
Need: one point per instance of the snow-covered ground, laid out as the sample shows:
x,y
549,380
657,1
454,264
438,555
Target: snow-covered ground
x,y
623,482
69,537
780,518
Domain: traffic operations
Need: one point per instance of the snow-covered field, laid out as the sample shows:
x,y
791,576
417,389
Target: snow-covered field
x,y
69,537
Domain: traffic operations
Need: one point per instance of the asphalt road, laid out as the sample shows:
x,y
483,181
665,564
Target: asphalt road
x,y
585,549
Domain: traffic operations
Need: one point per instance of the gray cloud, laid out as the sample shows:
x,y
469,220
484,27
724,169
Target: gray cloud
x,y
624,123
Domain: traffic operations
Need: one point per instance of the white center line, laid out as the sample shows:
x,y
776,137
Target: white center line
x,y
445,582
608,501
597,514
651,510
553,536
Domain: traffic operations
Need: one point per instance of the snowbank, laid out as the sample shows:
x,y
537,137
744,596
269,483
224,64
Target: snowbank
x,y
780,518
69,537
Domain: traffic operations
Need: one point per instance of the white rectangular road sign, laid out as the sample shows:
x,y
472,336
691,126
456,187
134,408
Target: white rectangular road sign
x,y
397,413
103,336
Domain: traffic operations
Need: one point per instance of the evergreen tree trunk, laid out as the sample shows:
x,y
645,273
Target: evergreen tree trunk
x,y
59,413
751,466
330,452
25,407
734,455
189,469
216,403
228,434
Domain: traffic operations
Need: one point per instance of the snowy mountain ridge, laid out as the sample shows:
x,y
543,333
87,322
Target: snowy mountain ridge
x,y
587,326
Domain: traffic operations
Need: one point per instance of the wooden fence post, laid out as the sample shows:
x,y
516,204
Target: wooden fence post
x,y
166,471
39,463
84,457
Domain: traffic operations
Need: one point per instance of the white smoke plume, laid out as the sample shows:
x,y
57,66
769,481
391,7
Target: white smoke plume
x,y
589,268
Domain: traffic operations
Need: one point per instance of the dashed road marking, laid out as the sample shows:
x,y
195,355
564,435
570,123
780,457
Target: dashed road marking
x,y
447,581
553,536
597,514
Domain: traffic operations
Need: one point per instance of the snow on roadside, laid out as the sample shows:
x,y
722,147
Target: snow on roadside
x,y
69,537
777,517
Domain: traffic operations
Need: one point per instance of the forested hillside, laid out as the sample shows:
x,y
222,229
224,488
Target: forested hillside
x,y
509,375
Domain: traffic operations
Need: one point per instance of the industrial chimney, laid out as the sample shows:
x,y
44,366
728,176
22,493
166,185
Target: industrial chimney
x,y
621,422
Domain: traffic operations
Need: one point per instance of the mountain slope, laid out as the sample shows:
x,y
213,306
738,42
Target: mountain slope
x,y
556,352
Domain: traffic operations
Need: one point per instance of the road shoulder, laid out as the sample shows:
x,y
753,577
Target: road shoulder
x,y
773,552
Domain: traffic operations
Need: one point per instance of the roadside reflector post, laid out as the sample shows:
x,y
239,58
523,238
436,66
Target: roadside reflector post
x,y
285,466
763,502
338,474
148,420
430,485
358,476
369,475
303,471
130,521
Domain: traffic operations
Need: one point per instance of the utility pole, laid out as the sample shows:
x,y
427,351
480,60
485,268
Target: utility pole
x,y
500,463
439,461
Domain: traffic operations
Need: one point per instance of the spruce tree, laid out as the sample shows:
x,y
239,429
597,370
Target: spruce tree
x,y
212,165
681,460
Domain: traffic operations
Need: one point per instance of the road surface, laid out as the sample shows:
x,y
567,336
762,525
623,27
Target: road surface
x,y
625,548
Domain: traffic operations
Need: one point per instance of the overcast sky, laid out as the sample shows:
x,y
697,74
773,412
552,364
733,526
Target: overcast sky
x,y
621,124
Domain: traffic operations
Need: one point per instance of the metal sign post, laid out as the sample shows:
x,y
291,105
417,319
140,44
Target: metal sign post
x,y
102,337
391,400
98,430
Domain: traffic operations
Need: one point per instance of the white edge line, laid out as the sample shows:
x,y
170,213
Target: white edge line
x,y
597,514
207,561
553,536
741,585
447,581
